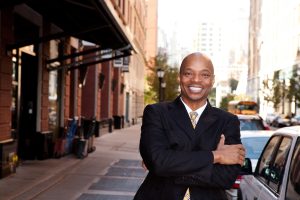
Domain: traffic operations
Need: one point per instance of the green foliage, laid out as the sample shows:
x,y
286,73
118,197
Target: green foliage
x,y
212,97
233,83
267,91
170,78
277,90
225,100
293,92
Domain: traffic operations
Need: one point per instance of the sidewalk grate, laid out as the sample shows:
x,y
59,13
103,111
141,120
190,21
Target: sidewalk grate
x,y
128,163
103,197
122,176
117,184
126,172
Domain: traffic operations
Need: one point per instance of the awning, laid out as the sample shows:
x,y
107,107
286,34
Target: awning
x,y
88,20
101,56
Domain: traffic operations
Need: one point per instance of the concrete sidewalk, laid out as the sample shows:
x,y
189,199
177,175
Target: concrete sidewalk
x,y
71,178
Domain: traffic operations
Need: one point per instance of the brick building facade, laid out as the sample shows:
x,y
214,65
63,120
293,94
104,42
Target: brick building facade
x,y
58,61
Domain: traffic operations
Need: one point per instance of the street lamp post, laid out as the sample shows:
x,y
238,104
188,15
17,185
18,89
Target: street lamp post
x,y
160,75
163,86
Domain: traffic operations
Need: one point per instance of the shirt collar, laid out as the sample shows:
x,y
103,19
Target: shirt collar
x,y
199,110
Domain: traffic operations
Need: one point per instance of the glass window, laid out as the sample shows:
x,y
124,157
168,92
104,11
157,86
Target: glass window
x,y
265,161
293,188
254,146
251,124
14,100
277,169
52,89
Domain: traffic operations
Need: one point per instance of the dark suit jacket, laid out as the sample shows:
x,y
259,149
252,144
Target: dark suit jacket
x,y
179,156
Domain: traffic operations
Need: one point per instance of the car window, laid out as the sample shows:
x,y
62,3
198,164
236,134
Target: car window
x,y
293,188
272,162
264,164
277,168
254,146
251,124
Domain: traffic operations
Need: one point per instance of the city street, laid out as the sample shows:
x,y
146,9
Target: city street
x,y
112,172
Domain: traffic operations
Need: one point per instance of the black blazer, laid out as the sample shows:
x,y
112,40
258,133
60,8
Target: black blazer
x,y
179,156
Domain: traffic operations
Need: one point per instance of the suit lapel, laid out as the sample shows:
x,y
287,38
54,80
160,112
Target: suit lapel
x,y
206,120
181,117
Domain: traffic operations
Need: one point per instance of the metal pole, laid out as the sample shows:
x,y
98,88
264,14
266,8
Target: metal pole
x,y
160,89
163,85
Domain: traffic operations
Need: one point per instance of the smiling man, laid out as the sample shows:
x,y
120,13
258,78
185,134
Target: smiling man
x,y
191,149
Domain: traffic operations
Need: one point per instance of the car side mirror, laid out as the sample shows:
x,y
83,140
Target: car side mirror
x,y
247,167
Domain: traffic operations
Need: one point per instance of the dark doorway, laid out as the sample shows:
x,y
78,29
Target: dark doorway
x,y
28,106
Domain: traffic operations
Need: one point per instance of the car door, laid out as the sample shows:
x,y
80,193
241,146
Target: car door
x,y
251,186
273,174
293,183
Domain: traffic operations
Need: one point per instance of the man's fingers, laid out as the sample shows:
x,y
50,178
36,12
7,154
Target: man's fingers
x,y
222,141
144,166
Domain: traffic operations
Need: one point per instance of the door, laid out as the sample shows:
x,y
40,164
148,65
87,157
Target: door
x,y
28,105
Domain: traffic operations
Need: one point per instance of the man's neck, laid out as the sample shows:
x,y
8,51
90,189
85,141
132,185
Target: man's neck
x,y
194,105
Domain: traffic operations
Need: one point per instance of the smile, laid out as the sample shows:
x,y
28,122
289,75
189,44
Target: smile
x,y
195,89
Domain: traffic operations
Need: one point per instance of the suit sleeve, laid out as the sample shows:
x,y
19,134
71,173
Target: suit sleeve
x,y
222,176
157,154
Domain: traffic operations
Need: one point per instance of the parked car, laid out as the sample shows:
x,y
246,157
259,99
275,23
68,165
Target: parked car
x,y
281,121
252,122
270,118
254,142
277,173
295,120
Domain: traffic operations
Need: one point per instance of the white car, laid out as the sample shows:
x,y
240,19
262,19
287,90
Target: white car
x,y
270,117
252,123
254,142
277,173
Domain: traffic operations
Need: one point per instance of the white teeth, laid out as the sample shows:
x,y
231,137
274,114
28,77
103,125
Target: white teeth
x,y
195,89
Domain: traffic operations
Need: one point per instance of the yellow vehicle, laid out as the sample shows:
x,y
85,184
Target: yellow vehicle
x,y
243,107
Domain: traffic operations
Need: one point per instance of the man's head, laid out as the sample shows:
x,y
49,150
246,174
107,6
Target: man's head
x,y
196,79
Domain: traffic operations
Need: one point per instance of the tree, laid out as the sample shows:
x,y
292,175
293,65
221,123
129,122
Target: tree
x,y
293,92
233,83
225,100
170,78
212,96
172,85
277,90
267,91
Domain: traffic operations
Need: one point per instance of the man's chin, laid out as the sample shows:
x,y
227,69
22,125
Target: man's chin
x,y
196,98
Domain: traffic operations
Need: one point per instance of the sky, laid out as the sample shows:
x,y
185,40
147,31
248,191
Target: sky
x,y
180,17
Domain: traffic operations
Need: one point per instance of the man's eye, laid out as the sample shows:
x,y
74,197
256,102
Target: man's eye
x,y
206,75
187,73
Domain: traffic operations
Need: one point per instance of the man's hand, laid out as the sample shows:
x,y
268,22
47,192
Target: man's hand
x,y
229,154
144,166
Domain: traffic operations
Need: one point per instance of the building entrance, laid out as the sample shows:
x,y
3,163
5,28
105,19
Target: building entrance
x,y
28,106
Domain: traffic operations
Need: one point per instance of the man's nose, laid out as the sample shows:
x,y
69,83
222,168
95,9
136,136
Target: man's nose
x,y
198,78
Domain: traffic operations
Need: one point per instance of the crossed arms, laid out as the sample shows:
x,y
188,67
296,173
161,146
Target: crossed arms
x,y
216,168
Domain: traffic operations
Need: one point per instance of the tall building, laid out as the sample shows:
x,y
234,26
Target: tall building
x,y
210,39
255,43
273,50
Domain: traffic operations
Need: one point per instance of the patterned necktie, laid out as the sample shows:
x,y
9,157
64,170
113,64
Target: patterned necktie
x,y
193,116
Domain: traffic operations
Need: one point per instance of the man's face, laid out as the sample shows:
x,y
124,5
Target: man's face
x,y
196,80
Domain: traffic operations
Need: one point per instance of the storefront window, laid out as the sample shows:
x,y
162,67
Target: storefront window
x,y
14,101
53,101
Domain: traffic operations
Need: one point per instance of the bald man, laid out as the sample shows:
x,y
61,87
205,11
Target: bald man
x,y
188,145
